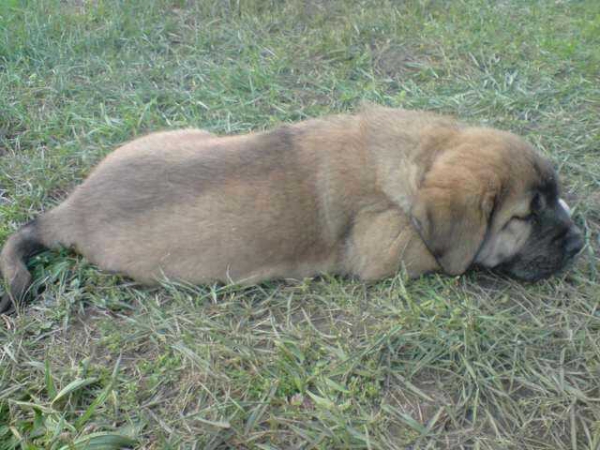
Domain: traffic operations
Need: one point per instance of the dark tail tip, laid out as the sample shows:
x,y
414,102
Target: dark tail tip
x,y
7,306
13,264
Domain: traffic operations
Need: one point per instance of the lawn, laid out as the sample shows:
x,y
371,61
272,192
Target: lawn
x,y
474,362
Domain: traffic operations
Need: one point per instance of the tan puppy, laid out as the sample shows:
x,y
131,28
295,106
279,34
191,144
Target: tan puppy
x,y
360,195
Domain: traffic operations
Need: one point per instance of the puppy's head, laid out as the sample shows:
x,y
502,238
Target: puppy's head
x,y
490,199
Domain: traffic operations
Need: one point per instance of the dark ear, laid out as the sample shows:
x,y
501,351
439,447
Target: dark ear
x,y
451,214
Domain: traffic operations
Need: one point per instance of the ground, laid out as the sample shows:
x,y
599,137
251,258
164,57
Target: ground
x,y
476,362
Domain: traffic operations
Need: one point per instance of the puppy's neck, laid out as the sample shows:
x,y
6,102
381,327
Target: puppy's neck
x,y
402,146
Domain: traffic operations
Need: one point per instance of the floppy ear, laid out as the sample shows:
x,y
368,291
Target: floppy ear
x,y
451,214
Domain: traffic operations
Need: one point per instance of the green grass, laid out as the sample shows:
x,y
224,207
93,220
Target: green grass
x,y
473,362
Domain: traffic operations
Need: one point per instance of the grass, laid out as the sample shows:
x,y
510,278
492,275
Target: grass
x,y
473,362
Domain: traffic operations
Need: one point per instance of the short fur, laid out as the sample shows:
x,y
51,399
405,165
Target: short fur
x,y
358,195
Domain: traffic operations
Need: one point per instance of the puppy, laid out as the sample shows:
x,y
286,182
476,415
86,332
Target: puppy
x,y
360,195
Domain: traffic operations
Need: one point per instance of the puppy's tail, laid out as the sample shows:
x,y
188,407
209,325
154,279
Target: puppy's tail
x,y
13,263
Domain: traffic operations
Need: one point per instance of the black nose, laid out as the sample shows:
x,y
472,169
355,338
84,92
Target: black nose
x,y
573,242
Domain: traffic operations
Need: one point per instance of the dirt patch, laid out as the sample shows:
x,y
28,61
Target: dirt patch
x,y
409,404
78,6
396,60
420,400
59,193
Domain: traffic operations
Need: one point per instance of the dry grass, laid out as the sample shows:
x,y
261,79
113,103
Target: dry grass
x,y
474,362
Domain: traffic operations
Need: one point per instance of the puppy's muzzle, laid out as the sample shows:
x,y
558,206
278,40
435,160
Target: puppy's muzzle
x,y
573,242
574,238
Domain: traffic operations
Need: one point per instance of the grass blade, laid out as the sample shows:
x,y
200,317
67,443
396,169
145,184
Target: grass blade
x,y
50,388
100,399
73,386
101,441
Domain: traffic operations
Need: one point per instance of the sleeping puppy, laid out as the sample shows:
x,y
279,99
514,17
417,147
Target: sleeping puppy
x,y
361,195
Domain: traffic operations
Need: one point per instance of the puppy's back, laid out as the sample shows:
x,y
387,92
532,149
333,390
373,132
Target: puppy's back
x,y
191,206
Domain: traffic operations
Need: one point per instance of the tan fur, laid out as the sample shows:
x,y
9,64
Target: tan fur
x,y
361,195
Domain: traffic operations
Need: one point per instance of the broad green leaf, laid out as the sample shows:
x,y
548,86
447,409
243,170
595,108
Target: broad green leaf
x,y
73,386
50,389
101,441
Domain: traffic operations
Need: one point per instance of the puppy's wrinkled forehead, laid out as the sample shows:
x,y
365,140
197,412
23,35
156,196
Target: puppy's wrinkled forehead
x,y
535,171
547,182
530,175
521,171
